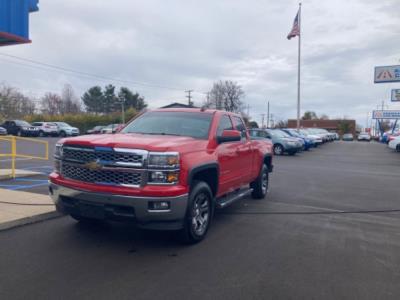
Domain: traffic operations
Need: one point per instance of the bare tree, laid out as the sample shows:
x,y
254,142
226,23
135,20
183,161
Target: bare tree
x,y
70,102
51,104
226,95
13,104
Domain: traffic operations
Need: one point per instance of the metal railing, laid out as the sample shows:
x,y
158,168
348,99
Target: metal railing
x,y
14,151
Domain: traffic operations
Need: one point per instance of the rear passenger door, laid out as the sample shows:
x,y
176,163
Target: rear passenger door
x,y
227,159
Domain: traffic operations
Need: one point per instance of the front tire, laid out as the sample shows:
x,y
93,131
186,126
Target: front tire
x,y
278,149
398,148
261,184
198,215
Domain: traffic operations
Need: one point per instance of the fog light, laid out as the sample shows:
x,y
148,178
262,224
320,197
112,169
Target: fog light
x,y
159,205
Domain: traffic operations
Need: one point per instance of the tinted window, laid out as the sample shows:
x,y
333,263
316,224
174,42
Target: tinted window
x,y
191,124
224,124
22,123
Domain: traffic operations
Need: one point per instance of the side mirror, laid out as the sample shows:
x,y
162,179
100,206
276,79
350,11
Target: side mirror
x,y
229,136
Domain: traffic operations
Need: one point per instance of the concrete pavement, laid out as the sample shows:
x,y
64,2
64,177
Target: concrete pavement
x,y
21,208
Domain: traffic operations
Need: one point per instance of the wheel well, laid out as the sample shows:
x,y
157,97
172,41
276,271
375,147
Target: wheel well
x,y
268,161
209,176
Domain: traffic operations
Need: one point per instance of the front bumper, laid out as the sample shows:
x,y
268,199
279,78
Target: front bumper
x,y
293,147
120,208
30,132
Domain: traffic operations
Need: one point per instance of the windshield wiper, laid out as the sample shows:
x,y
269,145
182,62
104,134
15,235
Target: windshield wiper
x,y
157,133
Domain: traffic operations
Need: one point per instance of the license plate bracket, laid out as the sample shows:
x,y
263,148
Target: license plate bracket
x,y
92,211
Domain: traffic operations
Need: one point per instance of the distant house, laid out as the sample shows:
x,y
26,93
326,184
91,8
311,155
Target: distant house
x,y
178,105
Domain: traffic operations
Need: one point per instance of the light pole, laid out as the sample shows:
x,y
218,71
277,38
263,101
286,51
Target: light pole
x,y
122,100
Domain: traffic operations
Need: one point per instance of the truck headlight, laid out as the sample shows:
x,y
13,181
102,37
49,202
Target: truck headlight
x,y
163,160
58,152
57,166
163,167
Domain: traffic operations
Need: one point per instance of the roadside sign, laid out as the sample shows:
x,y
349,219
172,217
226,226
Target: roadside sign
x,y
387,74
395,95
386,114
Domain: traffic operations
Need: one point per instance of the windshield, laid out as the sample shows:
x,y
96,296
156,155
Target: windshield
x,y
191,124
22,123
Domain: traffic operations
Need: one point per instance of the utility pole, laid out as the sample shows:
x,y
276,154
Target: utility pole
x,y
189,96
268,116
262,122
122,100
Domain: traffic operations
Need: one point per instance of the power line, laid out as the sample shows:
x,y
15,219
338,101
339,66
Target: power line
x,y
77,72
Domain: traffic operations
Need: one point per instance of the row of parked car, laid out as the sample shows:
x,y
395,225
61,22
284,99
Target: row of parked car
x,y
290,141
23,128
42,129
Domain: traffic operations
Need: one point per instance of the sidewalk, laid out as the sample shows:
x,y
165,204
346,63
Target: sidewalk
x,y
5,173
21,208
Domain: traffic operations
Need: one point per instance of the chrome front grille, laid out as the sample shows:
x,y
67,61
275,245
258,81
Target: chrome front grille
x,y
107,156
107,177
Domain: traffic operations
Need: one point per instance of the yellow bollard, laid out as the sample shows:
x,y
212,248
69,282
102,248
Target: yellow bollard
x,y
13,155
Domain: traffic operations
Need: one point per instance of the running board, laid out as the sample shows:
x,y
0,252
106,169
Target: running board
x,y
232,197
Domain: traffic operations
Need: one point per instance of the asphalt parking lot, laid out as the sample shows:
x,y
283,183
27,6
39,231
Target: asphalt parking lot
x,y
329,229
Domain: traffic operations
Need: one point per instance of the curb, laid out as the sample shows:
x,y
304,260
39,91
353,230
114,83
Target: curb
x,y
7,177
30,220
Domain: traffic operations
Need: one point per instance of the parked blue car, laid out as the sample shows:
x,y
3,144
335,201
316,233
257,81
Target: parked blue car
x,y
308,143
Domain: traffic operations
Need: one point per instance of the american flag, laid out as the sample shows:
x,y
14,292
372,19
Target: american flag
x,y
295,29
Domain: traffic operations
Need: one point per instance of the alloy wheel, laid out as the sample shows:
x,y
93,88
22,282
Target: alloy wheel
x,y
200,214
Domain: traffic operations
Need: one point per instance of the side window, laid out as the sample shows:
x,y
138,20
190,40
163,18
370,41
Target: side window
x,y
240,126
224,124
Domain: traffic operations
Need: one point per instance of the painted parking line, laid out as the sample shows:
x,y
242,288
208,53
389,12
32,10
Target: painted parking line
x,y
22,187
31,180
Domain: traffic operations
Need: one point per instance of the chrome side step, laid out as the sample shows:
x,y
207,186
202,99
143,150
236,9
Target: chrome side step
x,y
232,197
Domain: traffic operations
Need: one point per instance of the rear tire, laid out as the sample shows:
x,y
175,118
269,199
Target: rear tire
x,y
198,214
63,134
398,148
261,184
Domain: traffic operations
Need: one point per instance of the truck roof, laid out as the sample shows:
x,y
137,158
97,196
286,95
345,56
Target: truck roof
x,y
197,110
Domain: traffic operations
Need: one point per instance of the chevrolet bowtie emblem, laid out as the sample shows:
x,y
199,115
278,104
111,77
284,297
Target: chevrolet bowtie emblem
x,y
94,165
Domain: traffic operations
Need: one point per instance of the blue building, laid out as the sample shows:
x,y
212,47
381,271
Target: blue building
x,y
14,21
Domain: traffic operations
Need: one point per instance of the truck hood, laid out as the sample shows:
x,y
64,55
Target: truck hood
x,y
138,141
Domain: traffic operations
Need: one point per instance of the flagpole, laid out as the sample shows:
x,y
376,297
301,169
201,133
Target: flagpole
x,y
298,72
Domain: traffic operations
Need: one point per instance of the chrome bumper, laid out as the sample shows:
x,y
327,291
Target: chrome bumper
x,y
120,207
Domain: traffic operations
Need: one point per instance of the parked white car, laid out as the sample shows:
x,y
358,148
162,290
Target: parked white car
x,y
395,144
364,136
46,128
65,129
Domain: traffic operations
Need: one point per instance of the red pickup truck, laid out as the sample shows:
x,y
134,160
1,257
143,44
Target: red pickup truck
x,y
168,169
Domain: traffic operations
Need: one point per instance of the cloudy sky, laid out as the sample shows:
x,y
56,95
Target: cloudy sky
x,y
161,48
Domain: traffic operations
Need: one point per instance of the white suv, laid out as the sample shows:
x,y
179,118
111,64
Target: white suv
x,y
46,128
395,144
